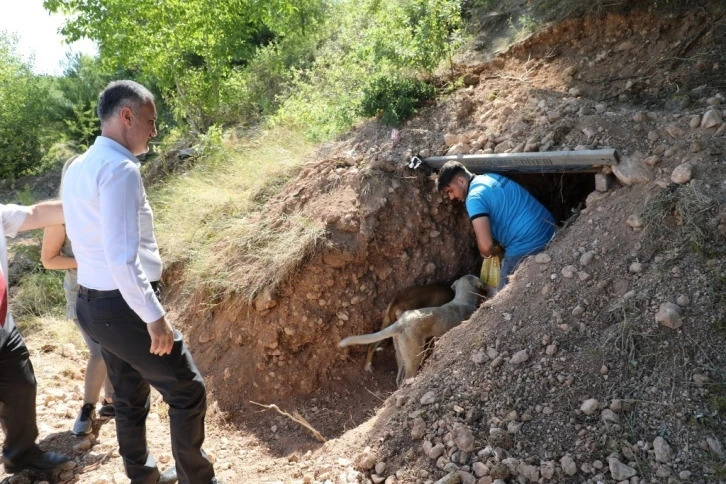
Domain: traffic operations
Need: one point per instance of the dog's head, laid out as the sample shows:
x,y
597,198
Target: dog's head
x,y
468,287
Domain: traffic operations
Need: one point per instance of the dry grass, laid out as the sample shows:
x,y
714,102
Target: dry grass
x,y
209,219
51,329
679,206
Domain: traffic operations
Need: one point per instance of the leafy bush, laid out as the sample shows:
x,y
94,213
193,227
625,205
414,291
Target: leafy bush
x,y
24,112
371,40
396,98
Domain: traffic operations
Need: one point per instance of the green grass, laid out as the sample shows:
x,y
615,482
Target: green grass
x,y
39,293
209,219
25,196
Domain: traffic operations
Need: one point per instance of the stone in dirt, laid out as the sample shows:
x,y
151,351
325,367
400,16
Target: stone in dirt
x,y
467,478
651,160
608,416
603,182
674,131
715,446
711,119
436,451
700,379
669,315
682,174
428,398
569,466
568,272
265,300
463,438
547,469
529,472
620,471
519,357
636,268
459,149
450,139
589,406
367,459
663,451
632,170
451,478
635,222
479,356
587,258
542,258
419,428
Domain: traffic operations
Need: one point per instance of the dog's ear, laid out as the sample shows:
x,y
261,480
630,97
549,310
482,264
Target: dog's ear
x,y
453,286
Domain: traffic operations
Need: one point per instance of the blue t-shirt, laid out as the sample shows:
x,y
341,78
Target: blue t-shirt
x,y
519,222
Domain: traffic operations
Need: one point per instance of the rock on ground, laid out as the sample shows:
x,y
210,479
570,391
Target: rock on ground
x,y
669,315
620,471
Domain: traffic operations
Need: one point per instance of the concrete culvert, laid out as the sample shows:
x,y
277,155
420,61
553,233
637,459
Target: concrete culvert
x,y
562,193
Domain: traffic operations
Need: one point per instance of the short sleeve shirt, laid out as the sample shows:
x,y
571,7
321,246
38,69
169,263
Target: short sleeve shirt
x,y
12,217
519,222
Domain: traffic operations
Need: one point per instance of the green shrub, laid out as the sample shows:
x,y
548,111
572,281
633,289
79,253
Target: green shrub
x,y
396,98
24,112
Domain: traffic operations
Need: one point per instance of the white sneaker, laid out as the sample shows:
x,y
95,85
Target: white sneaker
x,y
84,422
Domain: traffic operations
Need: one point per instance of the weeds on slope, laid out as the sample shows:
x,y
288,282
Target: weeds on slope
x,y
209,220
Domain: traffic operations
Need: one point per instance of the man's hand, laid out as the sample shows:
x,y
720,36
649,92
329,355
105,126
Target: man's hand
x,y
162,337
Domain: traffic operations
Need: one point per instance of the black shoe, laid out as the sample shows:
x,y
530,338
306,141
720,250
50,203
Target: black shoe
x,y
36,460
107,410
168,476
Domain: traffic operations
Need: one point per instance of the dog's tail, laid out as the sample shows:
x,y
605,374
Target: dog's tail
x,y
365,339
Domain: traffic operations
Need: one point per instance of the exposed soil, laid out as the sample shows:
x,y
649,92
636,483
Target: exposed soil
x,y
635,83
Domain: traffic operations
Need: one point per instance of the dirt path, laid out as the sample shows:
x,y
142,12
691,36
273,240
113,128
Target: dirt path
x,y
286,453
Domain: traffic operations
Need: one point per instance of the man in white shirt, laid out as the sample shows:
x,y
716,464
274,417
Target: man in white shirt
x,y
110,223
17,380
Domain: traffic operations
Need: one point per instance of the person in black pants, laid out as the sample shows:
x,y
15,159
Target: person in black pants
x,y
109,221
17,380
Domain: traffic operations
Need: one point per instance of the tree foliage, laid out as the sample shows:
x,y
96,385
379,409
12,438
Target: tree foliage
x,y
189,48
372,40
25,104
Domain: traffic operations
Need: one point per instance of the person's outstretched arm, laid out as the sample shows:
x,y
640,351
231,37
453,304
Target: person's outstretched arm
x,y
42,215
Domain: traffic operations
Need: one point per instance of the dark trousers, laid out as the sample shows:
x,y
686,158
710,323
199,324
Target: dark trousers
x,y
125,343
17,396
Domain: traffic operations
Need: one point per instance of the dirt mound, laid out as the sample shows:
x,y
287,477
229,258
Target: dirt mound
x,y
604,361
383,230
639,83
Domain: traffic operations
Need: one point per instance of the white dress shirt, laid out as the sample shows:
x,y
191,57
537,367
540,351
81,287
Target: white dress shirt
x,y
110,223
12,217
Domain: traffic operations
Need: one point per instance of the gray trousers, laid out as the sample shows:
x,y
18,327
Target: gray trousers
x,y
125,344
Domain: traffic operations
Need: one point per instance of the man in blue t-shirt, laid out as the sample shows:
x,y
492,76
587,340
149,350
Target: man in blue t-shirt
x,y
500,210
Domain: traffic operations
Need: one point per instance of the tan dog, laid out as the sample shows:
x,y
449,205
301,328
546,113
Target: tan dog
x,y
411,298
416,326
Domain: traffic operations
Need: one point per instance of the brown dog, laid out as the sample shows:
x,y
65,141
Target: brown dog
x,y
416,326
428,296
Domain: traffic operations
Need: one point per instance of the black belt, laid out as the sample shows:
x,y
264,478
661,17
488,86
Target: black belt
x,y
96,294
